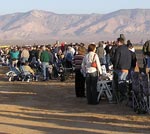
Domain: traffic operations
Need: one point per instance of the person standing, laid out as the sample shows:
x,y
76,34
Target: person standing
x,y
107,49
69,57
100,53
79,78
91,74
14,56
45,59
146,54
122,64
24,55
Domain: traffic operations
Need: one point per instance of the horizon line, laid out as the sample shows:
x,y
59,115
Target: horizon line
x,y
74,12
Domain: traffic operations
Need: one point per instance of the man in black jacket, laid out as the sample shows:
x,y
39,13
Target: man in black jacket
x,y
122,64
122,58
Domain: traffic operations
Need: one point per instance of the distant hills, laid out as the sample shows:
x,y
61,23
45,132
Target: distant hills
x,y
44,25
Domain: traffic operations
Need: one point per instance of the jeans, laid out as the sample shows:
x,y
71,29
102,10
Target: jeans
x,y
45,65
103,60
148,61
107,61
24,59
122,76
91,87
120,86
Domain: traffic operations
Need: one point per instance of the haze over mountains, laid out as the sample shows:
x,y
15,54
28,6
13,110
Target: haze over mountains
x,y
43,25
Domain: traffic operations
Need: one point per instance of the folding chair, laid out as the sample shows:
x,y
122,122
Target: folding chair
x,y
104,87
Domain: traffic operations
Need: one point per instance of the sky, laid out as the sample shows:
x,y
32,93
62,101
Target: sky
x,y
71,6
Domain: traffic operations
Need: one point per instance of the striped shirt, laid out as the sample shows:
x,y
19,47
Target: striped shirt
x,y
78,61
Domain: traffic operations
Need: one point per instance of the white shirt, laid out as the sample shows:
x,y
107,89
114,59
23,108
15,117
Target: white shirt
x,y
86,63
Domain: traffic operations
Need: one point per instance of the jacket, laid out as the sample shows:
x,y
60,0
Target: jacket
x,y
122,58
45,56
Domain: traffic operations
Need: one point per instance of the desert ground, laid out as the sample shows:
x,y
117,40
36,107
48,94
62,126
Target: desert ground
x,y
52,108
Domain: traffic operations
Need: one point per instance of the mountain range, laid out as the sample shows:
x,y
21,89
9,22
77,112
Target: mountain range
x,y
45,25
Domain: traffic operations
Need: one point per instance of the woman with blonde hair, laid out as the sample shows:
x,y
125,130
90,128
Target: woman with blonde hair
x,y
79,78
92,73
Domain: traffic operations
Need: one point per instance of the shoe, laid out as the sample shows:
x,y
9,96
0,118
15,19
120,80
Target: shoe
x,y
80,96
112,102
83,96
93,103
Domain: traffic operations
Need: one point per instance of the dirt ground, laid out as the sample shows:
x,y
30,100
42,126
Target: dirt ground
x,y
52,108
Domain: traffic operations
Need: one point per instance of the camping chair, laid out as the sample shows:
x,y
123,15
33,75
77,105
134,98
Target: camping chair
x,y
26,76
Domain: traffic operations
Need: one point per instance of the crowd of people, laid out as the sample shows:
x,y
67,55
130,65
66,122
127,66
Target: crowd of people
x,y
46,59
89,62
116,54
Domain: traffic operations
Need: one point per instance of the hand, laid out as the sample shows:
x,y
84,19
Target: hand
x,y
99,78
100,75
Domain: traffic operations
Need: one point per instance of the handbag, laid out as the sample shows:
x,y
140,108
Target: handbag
x,y
93,64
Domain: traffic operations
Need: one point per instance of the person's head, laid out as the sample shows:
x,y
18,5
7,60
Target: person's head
x,y
92,47
129,45
120,41
100,44
15,48
123,37
82,44
43,48
128,41
81,50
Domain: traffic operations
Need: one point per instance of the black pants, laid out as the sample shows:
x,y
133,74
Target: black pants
x,y
79,84
91,87
115,86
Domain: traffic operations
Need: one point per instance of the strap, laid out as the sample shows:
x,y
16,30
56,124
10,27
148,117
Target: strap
x,y
94,57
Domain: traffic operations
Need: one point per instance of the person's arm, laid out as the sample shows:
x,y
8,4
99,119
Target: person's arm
x,y
52,58
83,66
116,59
22,54
98,64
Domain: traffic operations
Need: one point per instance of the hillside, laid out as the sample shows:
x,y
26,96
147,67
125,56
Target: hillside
x,y
44,25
